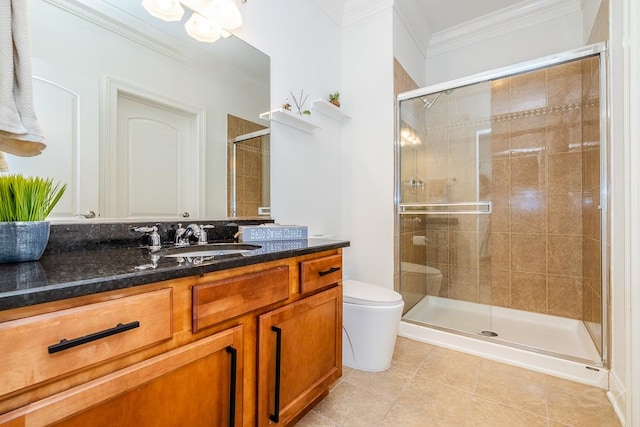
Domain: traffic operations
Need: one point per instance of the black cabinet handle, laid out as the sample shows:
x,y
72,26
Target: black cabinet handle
x,y
66,344
329,271
276,416
232,385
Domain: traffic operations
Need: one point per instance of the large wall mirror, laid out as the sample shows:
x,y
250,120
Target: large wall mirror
x,y
143,122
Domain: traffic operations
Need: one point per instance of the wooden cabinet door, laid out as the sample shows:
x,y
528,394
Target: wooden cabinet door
x,y
190,386
299,355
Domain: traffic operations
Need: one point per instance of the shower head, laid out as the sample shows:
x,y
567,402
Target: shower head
x,y
428,104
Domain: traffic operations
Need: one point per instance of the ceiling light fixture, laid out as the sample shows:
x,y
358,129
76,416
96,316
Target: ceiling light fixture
x,y
210,19
167,10
201,28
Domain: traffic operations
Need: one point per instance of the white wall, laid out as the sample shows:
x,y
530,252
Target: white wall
x,y
589,13
546,38
304,44
632,301
406,50
338,181
622,242
367,217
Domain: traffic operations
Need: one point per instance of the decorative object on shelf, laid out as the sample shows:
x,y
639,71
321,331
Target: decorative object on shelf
x,y
210,19
300,103
286,105
325,107
25,203
334,98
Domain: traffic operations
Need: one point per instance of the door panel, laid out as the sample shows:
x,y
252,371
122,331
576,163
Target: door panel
x,y
310,353
59,161
157,165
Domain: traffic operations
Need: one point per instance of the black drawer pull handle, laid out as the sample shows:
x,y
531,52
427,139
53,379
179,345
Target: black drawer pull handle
x,y
232,385
329,271
276,417
66,344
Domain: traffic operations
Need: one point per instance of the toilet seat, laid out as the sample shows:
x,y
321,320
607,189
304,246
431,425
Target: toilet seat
x,y
360,293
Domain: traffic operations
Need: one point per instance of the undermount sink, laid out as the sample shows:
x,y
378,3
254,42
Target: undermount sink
x,y
211,250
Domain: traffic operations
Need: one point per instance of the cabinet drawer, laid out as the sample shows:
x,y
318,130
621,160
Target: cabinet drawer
x,y
224,299
320,272
197,384
34,350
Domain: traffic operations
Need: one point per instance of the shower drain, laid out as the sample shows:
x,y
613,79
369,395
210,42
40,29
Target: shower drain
x,y
489,333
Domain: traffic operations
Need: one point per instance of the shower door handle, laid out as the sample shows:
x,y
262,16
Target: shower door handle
x,y
459,208
275,417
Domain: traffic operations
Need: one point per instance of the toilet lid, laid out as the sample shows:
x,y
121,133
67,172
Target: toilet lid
x,y
361,293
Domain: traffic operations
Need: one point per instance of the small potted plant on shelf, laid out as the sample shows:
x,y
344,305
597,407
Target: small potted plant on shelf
x,y
300,103
334,98
25,203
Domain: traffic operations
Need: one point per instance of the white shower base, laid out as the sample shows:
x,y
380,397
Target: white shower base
x,y
525,339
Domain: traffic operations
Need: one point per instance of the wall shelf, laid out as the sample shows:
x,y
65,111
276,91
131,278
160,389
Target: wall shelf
x,y
290,119
328,109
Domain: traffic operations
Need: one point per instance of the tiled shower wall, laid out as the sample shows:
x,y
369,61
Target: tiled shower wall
x,y
249,164
542,224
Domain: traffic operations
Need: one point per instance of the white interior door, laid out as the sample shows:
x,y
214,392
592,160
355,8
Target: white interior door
x,y
157,165
58,113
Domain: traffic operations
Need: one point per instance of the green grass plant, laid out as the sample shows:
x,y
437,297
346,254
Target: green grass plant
x,y
27,198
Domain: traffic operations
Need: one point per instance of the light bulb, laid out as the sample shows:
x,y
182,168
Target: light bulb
x,y
167,10
201,28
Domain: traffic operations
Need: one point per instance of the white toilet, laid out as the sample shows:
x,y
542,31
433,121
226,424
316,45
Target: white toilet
x,y
371,316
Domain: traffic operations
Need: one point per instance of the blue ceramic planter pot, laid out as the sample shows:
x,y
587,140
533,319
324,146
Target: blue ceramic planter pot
x,y
23,241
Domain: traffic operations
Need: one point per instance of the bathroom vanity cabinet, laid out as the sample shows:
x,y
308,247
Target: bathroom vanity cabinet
x,y
300,355
194,351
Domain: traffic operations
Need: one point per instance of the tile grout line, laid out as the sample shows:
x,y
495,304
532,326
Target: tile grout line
x,y
413,375
473,393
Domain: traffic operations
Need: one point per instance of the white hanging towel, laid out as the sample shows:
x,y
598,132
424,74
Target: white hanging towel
x,y
20,133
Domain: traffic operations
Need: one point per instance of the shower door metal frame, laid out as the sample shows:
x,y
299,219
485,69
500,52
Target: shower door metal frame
x,y
599,49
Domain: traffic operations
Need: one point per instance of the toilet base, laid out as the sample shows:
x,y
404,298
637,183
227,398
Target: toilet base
x,y
369,336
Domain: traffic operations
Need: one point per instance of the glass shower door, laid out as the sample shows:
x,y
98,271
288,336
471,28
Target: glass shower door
x,y
444,208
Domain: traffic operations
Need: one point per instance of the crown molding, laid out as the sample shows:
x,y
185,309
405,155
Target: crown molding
x,y
416,23
357,10
521,15
125,25
333,8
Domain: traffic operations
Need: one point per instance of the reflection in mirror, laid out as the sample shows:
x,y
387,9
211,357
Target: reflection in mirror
x,y
248,169
135,111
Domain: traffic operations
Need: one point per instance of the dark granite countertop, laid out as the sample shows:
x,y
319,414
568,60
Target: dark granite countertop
x,y
60,275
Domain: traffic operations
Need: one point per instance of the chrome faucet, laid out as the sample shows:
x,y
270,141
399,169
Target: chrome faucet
x,y
183,234
195,230
154,237
203,239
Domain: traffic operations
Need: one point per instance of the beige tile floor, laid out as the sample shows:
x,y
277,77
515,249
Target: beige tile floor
x,y
433,386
